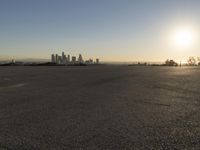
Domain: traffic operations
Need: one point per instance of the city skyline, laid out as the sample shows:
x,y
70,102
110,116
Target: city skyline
x,y
115,30
68,59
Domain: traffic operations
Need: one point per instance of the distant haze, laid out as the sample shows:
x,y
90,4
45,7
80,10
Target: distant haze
x,y
112,30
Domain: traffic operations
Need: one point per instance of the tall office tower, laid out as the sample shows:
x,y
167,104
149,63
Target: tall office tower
x,y
80,58
64,59
53,60
63,55
68,58
97,61
56,58
59,59
73,59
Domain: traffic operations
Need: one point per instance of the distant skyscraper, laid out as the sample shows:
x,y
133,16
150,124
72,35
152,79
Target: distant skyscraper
x,y
59,59
80,58
68,58
73,59
56,58
63,53
53,59
64,59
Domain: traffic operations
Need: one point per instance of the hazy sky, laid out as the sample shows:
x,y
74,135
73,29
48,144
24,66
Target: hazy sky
x,y
113,30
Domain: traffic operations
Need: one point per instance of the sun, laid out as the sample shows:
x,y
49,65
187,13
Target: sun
x,y
184,37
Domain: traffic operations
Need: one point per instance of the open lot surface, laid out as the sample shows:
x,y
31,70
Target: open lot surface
x,y
99,107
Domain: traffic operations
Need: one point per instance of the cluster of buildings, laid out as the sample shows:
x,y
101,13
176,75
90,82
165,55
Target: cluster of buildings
x,y
67,59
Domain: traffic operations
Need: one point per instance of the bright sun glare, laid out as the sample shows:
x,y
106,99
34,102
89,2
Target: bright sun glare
x,y
184,38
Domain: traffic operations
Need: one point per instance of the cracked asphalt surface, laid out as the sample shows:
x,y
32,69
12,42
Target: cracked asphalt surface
x,y
99,107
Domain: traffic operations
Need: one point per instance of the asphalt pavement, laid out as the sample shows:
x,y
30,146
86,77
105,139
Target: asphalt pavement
x,y
99,108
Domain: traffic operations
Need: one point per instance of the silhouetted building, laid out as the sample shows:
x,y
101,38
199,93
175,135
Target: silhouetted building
x,y
56,58
73,59
63,59
63,54
53,59
68,58
80,58
59,60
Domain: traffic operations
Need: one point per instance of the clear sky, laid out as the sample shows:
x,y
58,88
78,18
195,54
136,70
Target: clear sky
x,y
113,30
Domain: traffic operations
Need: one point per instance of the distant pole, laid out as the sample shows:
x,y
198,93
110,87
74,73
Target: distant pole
x,y
180,63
